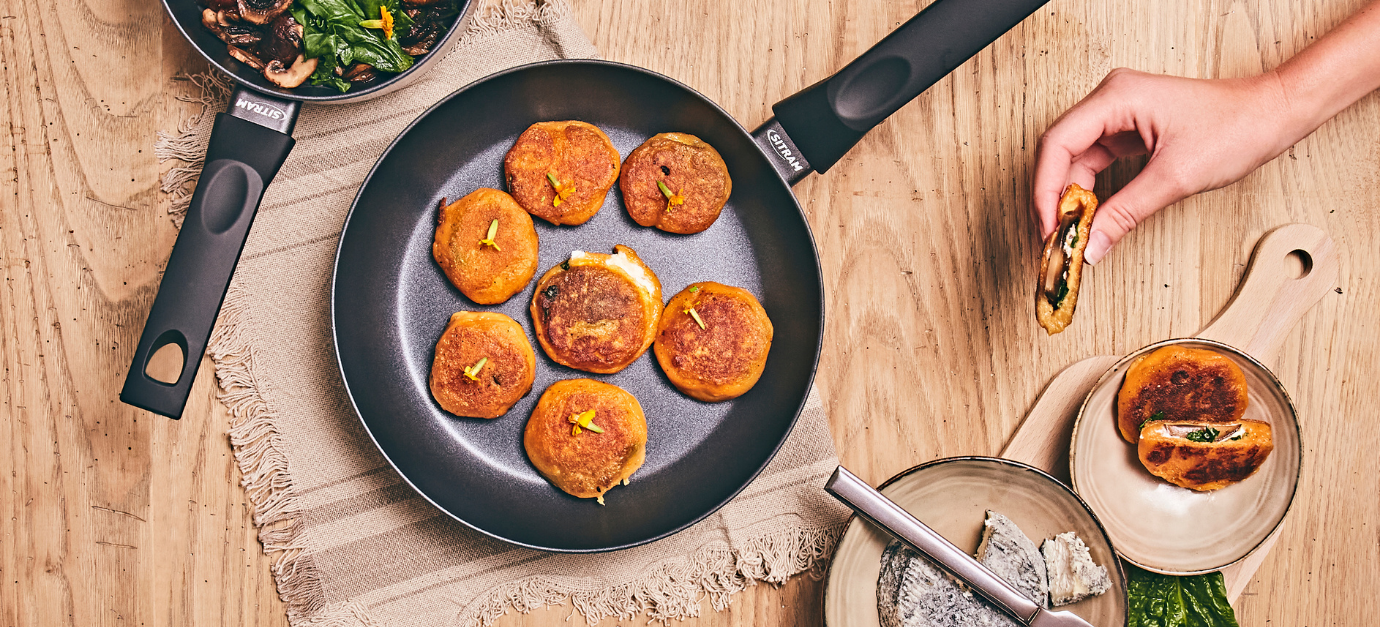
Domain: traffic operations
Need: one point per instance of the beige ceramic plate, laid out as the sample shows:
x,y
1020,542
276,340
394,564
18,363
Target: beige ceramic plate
x,y
1162,527
952,496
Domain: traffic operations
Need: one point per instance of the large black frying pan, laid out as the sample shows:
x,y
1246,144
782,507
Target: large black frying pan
x,y
390,302
249,142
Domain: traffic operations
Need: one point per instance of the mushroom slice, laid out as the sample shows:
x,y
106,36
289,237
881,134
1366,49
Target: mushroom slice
x,y
245,57
360,72
262,11
289,77
284,40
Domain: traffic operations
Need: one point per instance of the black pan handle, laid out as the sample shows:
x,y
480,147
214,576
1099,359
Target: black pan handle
x,y
248,145
826,119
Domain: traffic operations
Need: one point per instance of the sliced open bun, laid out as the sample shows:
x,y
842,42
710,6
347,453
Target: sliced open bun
x,y
1061,268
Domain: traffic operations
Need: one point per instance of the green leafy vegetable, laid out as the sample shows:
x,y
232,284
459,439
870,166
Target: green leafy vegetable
x,y
1063,292
1164,601
332,34
1159,415
1206,434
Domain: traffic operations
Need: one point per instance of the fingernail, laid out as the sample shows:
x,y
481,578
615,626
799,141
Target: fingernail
x,y
1098,245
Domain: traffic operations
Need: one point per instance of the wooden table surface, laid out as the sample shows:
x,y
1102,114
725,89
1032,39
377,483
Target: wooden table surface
x,y
114,516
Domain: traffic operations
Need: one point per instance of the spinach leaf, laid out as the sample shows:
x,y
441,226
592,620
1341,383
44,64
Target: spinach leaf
x,y
1165,601
1206,434
333,36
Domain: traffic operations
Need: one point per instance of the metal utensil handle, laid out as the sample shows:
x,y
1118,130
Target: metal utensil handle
x,y
247,147
881,511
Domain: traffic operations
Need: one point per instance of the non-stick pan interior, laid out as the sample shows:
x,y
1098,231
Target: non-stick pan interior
x,y
391,303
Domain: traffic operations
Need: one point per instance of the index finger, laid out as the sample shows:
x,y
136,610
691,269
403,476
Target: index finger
x,y
1072,135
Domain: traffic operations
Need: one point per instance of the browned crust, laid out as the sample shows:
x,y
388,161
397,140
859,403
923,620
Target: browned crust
x,y
576,153
724,359
587,464
1056,320
1179,383
506,377
484,274
1204,466
593,316
687,166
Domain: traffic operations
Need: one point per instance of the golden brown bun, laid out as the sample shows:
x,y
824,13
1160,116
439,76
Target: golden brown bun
x,y
724,359
486,274
576,153
1056,319
1179,383
1235,450
504,378
688,167
586,464
597,312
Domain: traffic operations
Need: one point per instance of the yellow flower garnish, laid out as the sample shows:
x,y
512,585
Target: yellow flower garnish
x,y
562,191
473,371
489,241
696,315
584,419
672,200
384,23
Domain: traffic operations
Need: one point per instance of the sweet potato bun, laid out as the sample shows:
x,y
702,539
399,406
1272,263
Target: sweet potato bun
x,y
561,171
691,172
487,270
586,437
713,341
1061,267
483,365
1204,456
597,312
1180,384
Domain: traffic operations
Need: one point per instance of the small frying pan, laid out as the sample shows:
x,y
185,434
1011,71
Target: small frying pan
x,y
390,301
248,144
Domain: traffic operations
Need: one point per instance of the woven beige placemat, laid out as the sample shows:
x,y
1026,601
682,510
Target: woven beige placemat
x,y
352,544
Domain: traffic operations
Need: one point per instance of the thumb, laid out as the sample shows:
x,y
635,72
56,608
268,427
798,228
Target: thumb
x,y
1155,188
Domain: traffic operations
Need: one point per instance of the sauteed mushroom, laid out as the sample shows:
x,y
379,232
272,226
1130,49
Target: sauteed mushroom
x,y
360,72
245,57
284,40
262,11
289,77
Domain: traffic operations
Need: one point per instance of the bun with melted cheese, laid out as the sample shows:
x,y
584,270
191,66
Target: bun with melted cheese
x,y
1061,267
1203,456
597,312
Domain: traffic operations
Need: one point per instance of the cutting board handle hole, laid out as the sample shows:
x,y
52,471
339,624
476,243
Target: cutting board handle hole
x,y
1298,264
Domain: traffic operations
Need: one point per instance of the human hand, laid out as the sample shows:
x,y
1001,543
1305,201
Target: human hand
x,y
1200,135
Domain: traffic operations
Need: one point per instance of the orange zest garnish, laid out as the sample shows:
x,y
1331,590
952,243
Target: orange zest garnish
x,y
696,315
489,240
672,200
472,372
562,191
584,419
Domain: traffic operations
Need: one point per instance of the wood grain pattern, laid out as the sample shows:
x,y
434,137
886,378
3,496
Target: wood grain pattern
x,y
114,516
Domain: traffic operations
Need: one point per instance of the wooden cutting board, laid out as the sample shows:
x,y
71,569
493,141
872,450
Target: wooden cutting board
x,y
1291,269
